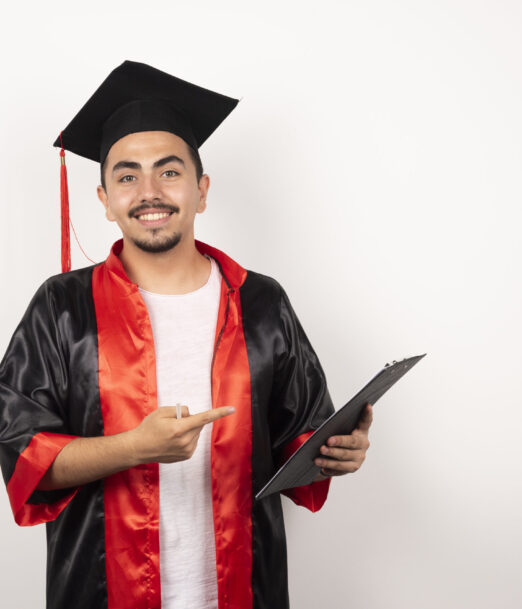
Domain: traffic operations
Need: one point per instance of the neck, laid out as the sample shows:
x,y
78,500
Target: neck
x,y
178,271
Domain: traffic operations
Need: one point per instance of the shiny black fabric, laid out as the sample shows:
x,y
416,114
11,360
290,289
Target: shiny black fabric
x,y
289,397
49,382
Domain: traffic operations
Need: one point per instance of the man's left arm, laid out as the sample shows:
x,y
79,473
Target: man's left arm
x,y
345,454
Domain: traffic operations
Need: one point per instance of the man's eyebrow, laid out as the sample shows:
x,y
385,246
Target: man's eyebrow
x,y
169,159
133,165
126,165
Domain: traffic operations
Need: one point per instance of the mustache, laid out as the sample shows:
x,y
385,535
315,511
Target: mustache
x,y
158,206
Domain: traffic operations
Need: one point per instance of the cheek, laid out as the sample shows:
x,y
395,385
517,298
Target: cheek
x,y
185,196
177,189
119,204
112,214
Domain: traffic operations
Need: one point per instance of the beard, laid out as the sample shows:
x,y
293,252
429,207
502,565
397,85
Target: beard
x,y
157,246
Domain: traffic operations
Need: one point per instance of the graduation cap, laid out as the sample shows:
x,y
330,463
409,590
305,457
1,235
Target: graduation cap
x,y
137,97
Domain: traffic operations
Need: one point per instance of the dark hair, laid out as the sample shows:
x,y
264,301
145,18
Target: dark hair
x,y
194,155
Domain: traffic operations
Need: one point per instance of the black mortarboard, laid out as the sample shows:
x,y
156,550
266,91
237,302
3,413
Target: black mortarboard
x,y
137,97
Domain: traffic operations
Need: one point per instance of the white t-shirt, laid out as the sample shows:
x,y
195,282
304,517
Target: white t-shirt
x,y
184,327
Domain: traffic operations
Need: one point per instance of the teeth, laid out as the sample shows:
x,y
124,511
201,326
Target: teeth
x,y
154,216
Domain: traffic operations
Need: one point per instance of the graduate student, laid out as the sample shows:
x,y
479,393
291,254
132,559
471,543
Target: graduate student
x,y
146,399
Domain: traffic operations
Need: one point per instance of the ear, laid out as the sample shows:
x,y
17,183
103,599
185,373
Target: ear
x,y
102,195
204,185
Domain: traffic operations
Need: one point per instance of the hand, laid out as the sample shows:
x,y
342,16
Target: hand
x,y
345,454
163,438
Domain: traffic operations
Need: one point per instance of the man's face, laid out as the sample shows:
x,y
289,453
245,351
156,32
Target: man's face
x,y
152,190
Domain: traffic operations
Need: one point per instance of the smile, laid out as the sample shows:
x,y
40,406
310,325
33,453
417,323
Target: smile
x,y
154,219
155,216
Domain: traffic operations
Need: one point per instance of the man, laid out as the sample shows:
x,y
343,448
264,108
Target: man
x,y
149,503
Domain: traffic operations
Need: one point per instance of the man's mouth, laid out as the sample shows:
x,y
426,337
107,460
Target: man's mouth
x,y
153,218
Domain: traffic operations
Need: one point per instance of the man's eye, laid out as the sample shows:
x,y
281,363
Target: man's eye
x,y
170,173
124,179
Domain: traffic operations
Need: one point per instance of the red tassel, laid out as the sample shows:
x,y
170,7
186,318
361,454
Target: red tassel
x,y
64,196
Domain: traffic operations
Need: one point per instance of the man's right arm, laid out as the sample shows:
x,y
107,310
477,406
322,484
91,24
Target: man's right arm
x,y
160,437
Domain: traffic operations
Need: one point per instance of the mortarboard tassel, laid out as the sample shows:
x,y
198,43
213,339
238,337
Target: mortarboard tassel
x,y
64,197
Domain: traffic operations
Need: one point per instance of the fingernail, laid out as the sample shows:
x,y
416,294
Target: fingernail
x,y
231,409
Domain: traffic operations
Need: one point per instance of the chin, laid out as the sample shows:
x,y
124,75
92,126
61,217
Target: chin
x,y
157,245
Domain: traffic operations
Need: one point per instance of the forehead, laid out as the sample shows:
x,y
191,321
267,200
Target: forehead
x,y
147,144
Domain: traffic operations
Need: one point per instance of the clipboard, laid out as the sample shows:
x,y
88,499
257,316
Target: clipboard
x,y
300,468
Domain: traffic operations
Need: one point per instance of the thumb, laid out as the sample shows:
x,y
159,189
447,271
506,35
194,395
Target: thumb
x,y
366,419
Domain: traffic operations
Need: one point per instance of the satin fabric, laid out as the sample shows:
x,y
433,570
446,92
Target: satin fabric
x,y
81,363
49,395
289,398
127,381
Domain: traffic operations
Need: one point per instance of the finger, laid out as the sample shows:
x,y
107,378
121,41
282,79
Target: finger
x,y
331,472
203,418
341,454
184,411
352,442
338,466
172,411
366,419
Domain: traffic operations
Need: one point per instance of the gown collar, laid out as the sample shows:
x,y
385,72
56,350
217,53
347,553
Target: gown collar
x,y
232,272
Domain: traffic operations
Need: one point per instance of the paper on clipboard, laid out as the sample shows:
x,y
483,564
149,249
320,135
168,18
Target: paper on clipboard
x,y
300,468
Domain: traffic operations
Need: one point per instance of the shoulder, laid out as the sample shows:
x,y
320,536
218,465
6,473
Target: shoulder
x,y
261,290
259,283
69,285
264,298
64,292
72,280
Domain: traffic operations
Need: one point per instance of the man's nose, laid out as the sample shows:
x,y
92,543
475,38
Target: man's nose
x,y
150,188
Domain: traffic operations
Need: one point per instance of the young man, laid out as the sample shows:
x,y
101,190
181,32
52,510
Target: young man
x,y
145,400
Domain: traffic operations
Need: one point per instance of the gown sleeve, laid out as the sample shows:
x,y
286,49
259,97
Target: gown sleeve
x,y
34,384
300,402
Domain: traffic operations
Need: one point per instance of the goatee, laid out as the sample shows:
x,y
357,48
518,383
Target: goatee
x,y
159,246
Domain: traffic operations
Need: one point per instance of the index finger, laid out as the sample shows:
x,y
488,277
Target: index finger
x,y
208,416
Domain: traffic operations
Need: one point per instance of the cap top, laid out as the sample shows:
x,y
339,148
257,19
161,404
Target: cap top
x,y
137,97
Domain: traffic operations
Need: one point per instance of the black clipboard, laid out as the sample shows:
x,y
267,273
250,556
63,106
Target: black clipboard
x,y
300,468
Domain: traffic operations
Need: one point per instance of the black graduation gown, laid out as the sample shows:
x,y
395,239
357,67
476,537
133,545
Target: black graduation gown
x,y
81,363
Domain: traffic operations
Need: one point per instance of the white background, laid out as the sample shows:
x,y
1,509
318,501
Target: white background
x,y
372,166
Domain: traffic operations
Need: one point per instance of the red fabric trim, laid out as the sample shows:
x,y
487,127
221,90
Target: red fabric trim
x,y
127,382
231,459
311,496
114,265
234,273
30,467
127,378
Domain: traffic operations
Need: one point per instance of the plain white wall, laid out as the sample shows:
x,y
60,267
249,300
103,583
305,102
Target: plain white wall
x,y
372,167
